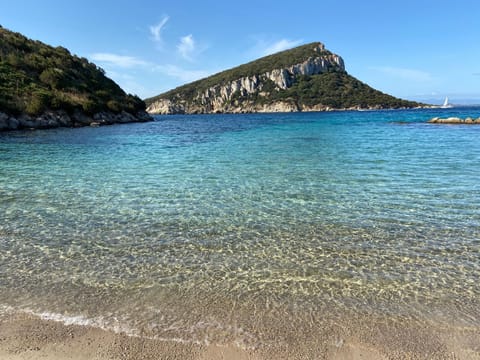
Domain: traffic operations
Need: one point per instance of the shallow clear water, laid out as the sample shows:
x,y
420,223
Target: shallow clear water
x,y
221,228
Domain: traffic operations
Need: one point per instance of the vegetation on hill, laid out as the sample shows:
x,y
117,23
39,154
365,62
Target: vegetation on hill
x,y
35,77
332,88
257,67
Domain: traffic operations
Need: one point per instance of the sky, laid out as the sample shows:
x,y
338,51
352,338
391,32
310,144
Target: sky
x,y
414,49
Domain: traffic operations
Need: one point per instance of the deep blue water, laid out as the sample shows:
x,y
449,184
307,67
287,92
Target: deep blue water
x,y
164,227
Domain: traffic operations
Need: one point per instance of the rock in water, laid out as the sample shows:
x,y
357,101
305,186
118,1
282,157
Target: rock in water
x,y
455,120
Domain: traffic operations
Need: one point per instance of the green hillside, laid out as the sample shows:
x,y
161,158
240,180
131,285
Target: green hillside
x,y
309,86
335,89
260,66
35,77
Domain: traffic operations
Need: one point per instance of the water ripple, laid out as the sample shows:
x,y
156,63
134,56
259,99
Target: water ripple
x,y
281,216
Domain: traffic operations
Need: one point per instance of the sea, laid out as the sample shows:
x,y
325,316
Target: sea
x,y
247,229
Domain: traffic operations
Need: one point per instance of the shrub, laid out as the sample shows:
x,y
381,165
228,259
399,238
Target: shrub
x,y
114,106
51,77
38,103
91,107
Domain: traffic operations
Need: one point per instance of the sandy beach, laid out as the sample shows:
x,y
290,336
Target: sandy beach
x,y
24,337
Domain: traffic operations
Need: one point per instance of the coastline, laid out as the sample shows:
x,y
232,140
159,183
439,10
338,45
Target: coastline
x,y
24,336
55,119
166,107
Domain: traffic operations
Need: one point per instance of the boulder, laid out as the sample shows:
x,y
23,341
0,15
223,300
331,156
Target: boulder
x,y
13,123
4,123
80,118
25,121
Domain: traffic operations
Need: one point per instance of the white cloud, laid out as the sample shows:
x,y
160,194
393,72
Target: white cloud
x,y
186,46
156,30
404,73
122,61
180,73
279,45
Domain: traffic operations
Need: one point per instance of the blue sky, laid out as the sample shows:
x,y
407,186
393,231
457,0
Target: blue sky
x,y
414,49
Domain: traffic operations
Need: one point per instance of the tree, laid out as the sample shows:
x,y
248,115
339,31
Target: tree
x,y
39,102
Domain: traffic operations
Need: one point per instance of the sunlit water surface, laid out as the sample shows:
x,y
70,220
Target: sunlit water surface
x,y
221,228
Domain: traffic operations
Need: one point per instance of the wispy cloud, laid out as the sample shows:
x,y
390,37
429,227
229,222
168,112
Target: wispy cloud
x,y
404,73
122,61
476,74
156,30
113,63
280,45
186,47
181,73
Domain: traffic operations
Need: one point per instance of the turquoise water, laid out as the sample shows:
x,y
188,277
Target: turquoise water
x,y
226,227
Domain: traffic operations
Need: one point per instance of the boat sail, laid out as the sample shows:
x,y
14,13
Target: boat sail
x,y
446,105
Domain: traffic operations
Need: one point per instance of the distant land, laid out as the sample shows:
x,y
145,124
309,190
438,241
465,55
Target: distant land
x,y
305,78
45,87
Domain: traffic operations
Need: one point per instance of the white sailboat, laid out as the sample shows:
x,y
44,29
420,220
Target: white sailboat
x,y
446,105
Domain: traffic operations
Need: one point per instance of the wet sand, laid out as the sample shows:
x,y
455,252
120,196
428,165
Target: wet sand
x,y
24,336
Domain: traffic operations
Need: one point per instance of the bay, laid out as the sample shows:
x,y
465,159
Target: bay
x,y
244,228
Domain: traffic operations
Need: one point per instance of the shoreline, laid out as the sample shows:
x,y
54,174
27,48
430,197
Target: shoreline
x,y
25,336
60,118
283,111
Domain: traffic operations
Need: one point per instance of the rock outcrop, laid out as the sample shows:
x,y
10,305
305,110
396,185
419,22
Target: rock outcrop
x,y
307,78
455,120
54,119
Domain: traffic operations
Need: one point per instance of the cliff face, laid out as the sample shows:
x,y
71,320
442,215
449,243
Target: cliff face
x,y
307,78
233,96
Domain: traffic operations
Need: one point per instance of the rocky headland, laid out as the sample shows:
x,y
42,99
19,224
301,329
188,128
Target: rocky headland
x,y
306,78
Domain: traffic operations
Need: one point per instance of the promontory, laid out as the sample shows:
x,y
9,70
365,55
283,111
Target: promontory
x,y
305,78
45,87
